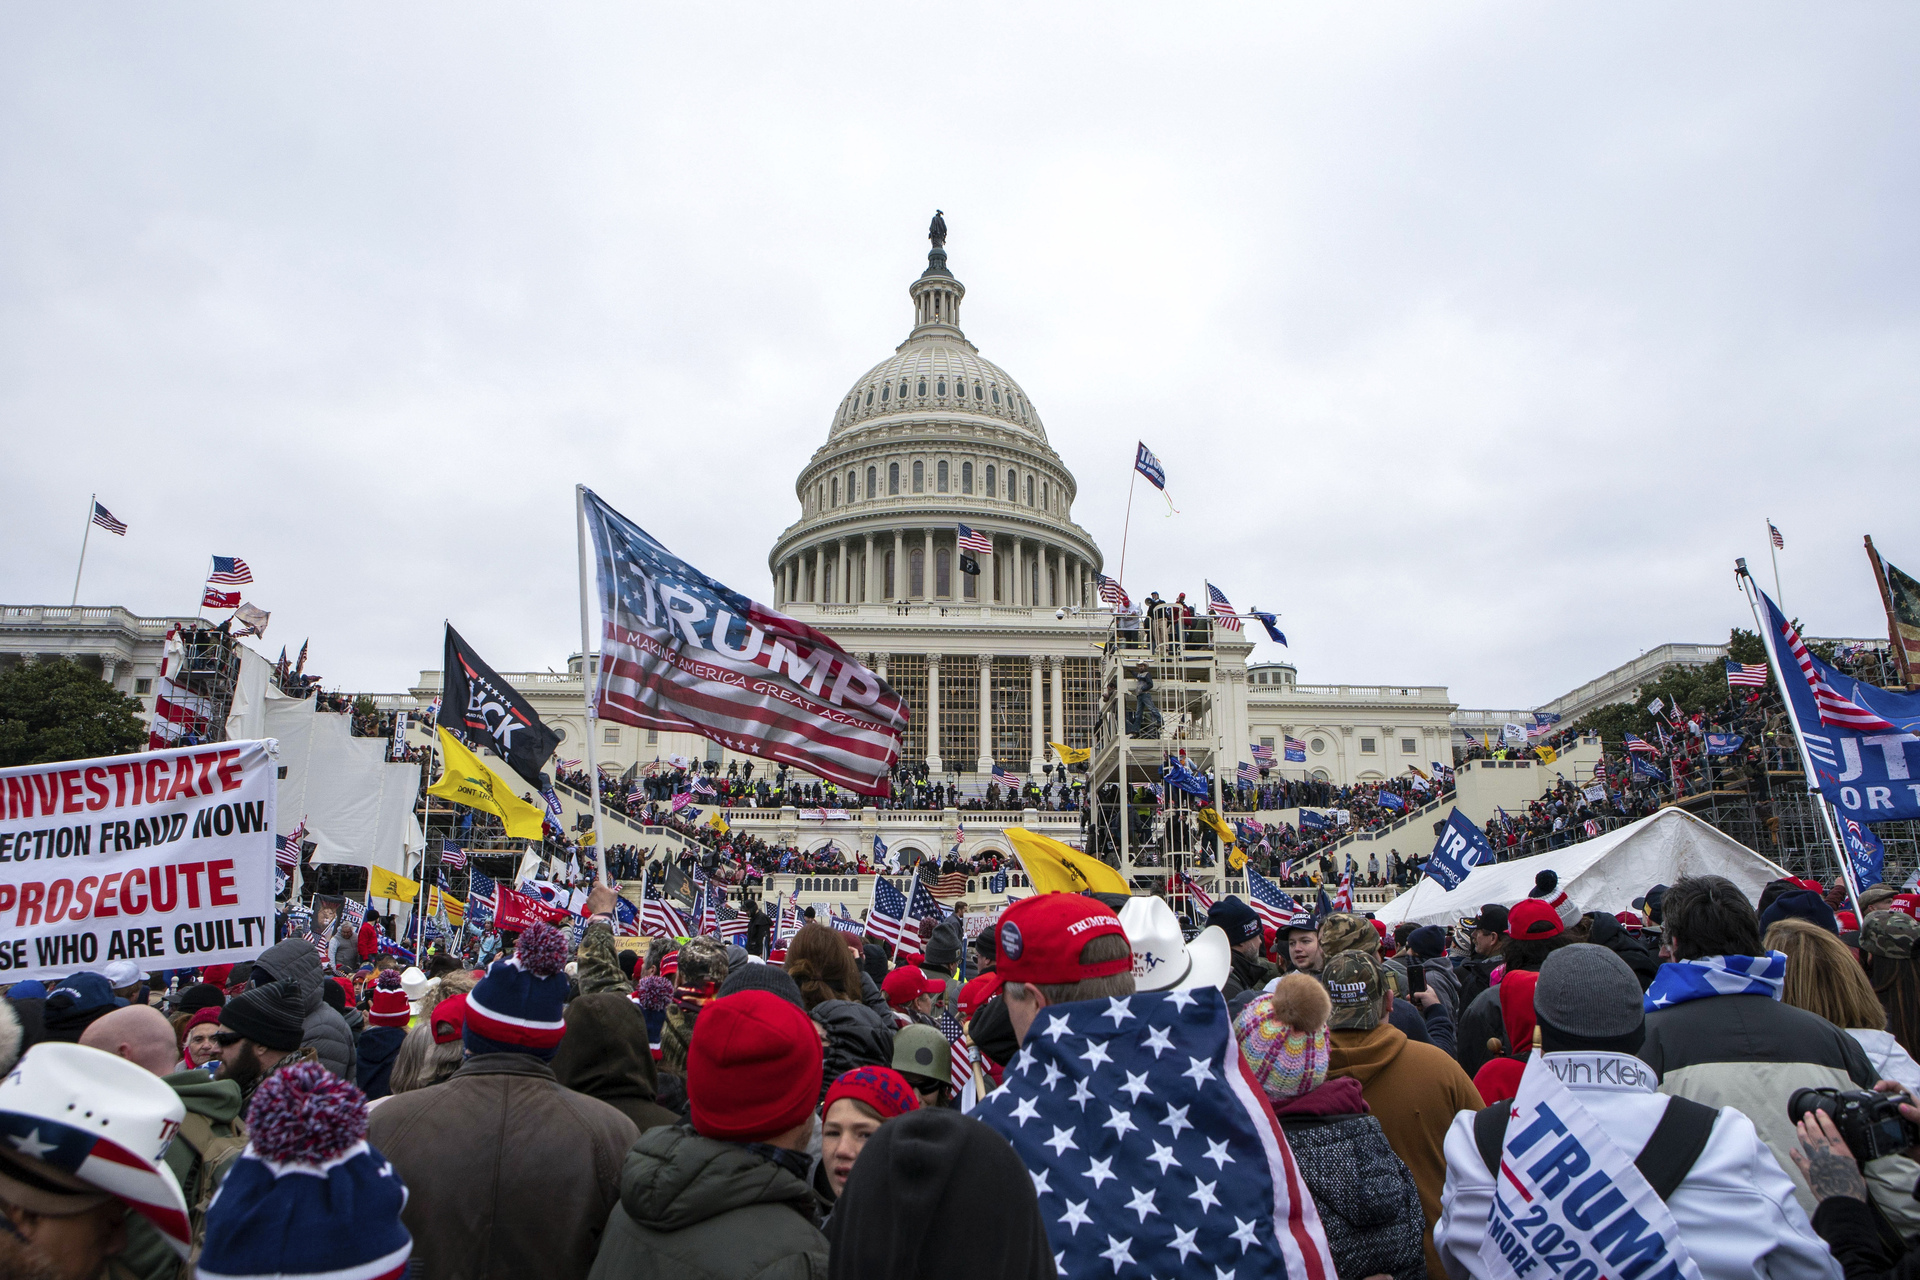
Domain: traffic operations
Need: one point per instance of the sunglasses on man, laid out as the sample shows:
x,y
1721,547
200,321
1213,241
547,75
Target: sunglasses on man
x,y
227,1039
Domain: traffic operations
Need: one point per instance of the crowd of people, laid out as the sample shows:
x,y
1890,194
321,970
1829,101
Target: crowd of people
x,y
839,1107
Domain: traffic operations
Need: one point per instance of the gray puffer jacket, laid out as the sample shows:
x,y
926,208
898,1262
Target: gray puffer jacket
x,y
1368,1201
323,1030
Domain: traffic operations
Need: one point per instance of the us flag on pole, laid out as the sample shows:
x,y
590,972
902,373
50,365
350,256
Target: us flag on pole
x,y
453,856
1112,594
684,653
1748,673
286,849
1222,611
1636,743
885,915
1249,775
1272,906
971,541
230,571
104,518
1201,898
1774,533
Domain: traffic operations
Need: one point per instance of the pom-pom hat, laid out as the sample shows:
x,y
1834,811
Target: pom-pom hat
x,y
388,1006
1041,939
1283,1037
519,1006
308,1197
82,1124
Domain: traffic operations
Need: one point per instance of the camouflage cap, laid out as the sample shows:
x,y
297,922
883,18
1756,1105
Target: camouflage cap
x,y
1889,933
1355,983
703,962
1345,931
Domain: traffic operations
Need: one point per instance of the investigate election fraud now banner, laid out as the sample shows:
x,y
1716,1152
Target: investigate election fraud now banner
x,y
163,858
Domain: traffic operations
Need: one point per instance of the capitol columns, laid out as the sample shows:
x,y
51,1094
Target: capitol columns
x,y
899,567
867,593
819,563
985,763
1057,665
1038,705
933,708
926,568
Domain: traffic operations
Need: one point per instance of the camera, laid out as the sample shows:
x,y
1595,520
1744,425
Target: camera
x,y
1870,1123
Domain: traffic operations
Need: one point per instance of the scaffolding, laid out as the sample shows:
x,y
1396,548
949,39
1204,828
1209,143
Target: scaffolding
x,y
204,676
1162,698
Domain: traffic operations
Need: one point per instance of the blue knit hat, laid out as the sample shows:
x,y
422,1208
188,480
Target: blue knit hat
x,y
308,1197
519,1007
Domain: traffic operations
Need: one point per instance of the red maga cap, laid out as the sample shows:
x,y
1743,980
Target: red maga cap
x,y
1041,939
1533,919
977,993
907,984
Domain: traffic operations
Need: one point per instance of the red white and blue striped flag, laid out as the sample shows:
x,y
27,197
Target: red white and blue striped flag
x,y
1222,611
104,518
230,571
887,917
1112,594
685,653
1747,673
453,856
1248,775
971,540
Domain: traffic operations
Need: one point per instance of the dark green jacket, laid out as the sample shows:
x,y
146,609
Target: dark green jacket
x,y
148,1255
693,1208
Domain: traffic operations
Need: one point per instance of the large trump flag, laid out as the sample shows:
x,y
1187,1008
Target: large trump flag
x,y
684,653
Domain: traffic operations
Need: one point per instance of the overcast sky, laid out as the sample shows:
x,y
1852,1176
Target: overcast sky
x,y
1477,339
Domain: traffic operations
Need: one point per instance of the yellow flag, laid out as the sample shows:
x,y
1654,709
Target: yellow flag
x,y
718,822
1416,769
382,883
592,837
456,909
1211,818
1058,868
1236,858
1547,754
1071,755
469,781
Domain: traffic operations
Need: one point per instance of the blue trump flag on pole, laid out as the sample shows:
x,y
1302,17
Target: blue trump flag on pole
x,y
1128,1112
1865,852
1460,848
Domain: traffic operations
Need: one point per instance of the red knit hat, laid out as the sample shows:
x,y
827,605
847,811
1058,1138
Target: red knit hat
x,y
200,1018
882,1088
1041,939
906,984
387,1006
977,993
1533,919
753,1067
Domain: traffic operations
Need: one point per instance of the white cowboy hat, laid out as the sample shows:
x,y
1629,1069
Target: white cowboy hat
x,y
1162,961
85,1122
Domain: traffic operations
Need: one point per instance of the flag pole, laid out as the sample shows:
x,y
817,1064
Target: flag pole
x,y
1133,478
1773,553
1800,739
588,675
87,532
426,849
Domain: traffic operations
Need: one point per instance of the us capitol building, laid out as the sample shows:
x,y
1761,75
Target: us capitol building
x,y
994,666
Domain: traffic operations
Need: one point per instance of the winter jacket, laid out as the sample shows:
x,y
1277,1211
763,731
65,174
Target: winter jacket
x,y
323,1030
508,1173
1639,957
1752,1052
207,1143
1474,974
1249,973
376,1050
599,962
694,1208
1478,1023
605,1055
1735,1209
1861,1248
873,997
1429,1024
856,1037
1415,1090
1440,979
1368,1202
1888,1060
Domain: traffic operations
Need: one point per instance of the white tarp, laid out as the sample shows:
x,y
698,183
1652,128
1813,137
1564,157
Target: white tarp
x,y
247,718
1603,874
358,807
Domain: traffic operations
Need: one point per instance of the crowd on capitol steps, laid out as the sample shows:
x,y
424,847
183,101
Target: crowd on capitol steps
x,y
1708,1086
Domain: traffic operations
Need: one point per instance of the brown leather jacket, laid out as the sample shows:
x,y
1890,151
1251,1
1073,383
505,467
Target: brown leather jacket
x,y
508,1174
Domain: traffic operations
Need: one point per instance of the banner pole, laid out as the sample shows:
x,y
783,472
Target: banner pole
x,y
85,533
1133,478
1773,554
1800,741
426,848
588,676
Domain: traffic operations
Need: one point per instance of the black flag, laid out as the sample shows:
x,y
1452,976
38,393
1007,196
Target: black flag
x,y
475,701
969,565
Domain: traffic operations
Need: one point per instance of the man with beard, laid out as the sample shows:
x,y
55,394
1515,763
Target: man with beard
x,y
259,1029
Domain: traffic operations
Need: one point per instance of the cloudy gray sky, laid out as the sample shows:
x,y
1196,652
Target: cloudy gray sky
x,y
1477,338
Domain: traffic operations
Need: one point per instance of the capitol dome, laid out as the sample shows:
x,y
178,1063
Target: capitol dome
x,y
933,437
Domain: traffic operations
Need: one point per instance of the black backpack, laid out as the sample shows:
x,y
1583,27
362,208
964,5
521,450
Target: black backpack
x,y
1676,1142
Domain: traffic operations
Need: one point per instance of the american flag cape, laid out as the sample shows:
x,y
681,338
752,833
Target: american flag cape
x,y
1343,896
886,914
1272,906
686,654
1149,1092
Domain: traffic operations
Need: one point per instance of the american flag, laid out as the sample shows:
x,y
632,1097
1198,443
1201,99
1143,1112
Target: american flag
x,y
568,765
635,796
1296,749
1127,1090
626,919
1747,673
230,571
1600,769
286,849
1248,774
701,787
1774,533
1149,466
951,885
1112,593
1343,896
885,914
104,518
971,541
730,669
480,890
1262,755
1636,743
1222,611
453,856
1592,828
1186,883
1272,906
962,1064
659,918
1004,778
922,904
730,924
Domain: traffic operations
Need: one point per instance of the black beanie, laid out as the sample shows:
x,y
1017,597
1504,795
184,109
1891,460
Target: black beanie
x,y
201,995
770,978
992,1030
269,1016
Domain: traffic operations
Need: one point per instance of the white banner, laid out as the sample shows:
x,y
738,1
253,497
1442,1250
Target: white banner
x,y
163,858
1568,1197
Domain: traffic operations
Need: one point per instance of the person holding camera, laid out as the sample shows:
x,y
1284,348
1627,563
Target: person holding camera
x,y
1832,1155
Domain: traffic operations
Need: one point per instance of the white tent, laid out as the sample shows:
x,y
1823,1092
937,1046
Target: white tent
x,y
358,806
1603,874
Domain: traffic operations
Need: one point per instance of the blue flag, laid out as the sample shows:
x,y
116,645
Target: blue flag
x,y
1864,851
998,884
1178,775
1460,848
1724,744
1147,1093
1322,905
1272,624
1149,466
1391,800
1310,820
1861,738
1641,769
